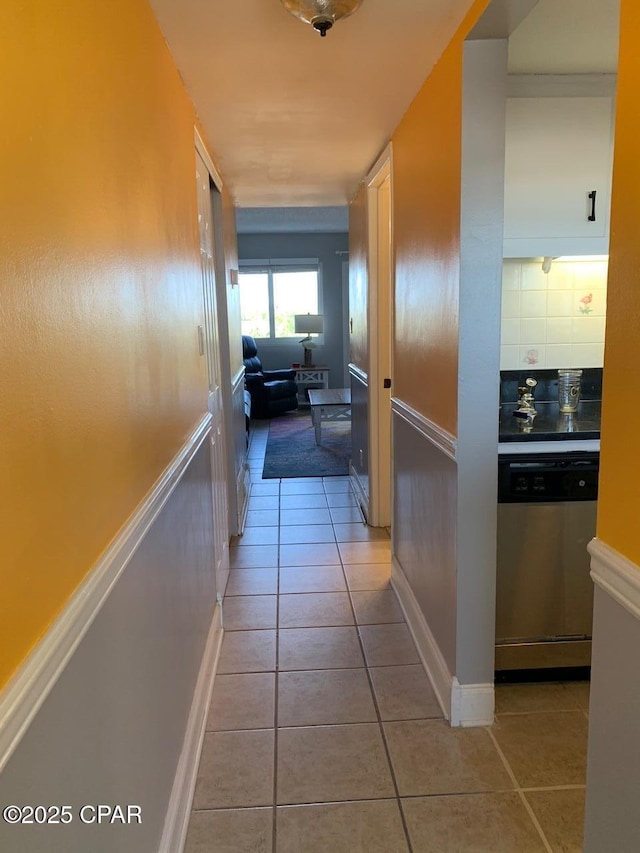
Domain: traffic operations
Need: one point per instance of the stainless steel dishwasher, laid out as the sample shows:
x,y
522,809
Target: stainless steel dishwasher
x,y
544,594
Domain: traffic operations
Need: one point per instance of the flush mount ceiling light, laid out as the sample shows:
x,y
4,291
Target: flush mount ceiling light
x,y
321,14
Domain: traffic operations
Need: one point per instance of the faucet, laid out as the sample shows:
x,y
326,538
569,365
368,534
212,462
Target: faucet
x,y
526,410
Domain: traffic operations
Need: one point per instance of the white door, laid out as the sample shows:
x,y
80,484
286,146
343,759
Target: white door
x,y
210,343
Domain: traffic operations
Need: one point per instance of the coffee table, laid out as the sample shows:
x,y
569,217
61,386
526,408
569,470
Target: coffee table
x,y
329,404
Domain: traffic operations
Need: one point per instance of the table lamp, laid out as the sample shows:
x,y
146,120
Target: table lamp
x,y
308,324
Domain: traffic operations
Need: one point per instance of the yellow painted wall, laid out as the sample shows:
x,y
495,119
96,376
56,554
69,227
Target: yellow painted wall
x,y
619,495
426,221
101,380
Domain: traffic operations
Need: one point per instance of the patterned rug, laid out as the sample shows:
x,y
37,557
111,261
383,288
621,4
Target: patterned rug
x,y
292,450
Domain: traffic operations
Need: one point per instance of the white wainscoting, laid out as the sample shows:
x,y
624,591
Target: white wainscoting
x,y
103,710
359,468
425,575
613,763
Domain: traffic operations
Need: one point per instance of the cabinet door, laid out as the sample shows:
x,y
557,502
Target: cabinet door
x,y
557,151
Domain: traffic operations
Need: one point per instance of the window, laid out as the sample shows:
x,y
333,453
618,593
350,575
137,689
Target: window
x,y
273,291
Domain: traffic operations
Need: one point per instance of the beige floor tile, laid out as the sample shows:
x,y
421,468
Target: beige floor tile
x,y
561,816
388,645
243,701
304,516
315,610
337,484
376,607
318,501
404,693
250,612
317,554
269,488
579,693
262,518
319,648
341,499
236,770
231,831
332,763
248,651
345,514
430,757
256,536
264,502
495,823
359,532
365,552
365,827
368,576
308,487
309,533
252,582
253,557
546,748
325,697
523,698
312,579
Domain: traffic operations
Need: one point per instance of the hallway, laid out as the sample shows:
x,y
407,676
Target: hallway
x,y
324,733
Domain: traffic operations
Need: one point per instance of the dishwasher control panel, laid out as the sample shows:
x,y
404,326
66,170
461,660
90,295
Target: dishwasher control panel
x,y
554,477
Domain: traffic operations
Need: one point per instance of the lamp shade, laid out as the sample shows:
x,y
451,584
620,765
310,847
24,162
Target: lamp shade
x,y
308,324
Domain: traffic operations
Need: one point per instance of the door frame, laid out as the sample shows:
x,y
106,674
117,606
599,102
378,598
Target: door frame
x,y
380,325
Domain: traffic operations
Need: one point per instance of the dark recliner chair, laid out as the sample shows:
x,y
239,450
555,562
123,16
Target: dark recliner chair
x,y
272,391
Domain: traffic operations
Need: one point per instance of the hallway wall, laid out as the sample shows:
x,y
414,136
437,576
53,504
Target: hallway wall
x,y
614,735
101,292
106,531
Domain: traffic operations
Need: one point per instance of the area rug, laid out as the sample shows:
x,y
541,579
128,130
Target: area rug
x,y
292,450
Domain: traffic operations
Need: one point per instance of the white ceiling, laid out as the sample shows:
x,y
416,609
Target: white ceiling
x,y
297,120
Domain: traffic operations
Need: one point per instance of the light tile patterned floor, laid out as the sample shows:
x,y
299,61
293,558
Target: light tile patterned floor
x,y
324,734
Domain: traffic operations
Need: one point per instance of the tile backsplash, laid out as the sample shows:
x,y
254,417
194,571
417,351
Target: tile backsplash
x,y
554,319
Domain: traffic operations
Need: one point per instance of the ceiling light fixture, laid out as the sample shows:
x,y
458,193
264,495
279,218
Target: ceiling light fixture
x,y
321,14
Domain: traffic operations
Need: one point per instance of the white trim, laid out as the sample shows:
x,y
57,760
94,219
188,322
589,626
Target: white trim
x,y
381,168
361,495
439,437
25,693
201,148
463,705
176,822
430,655
472,704
618,576
359,374
237,380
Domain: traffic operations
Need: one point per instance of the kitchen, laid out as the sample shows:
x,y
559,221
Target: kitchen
x,y
559,143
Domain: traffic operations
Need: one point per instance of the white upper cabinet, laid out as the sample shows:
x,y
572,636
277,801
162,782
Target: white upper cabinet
x,y
558,151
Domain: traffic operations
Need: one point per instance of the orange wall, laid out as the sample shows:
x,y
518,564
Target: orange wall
x,y
426,221
620,457
358,281
101,380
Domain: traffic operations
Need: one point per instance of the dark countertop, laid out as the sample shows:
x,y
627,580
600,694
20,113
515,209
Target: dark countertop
x,y
550,425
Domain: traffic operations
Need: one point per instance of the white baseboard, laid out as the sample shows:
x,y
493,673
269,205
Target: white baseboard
x,y
462,704
472,704
618,576
25,693
176,823
361,496
430,655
